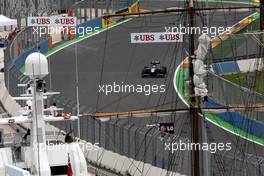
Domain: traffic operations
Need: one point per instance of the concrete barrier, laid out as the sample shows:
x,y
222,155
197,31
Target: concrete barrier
x,y
250,65
122,164
10,105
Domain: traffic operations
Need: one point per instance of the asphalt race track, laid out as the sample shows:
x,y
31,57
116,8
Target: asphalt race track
x,y
109,58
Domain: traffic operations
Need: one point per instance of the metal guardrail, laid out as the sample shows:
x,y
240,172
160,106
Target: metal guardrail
x,y
238,46
228,93
144,144
147,144
241,45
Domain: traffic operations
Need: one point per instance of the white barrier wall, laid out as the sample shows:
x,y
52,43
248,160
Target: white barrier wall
x,y
250,65
122,164
10,105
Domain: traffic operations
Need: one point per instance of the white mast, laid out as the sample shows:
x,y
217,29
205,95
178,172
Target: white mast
x,y
37,68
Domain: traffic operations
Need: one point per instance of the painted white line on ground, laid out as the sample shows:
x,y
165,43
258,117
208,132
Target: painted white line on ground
x,y
175,85
237,134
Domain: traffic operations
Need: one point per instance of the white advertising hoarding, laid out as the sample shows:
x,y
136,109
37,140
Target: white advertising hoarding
x,y
156,37
52,21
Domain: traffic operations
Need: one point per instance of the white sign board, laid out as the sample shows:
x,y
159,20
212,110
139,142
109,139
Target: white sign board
x,y
52,21
156,37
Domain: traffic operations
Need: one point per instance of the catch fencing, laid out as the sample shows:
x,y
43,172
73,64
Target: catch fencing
x,y
248,119
228,93
143,143
236,47
22,9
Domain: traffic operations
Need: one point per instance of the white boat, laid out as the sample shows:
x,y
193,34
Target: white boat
x,y
32,154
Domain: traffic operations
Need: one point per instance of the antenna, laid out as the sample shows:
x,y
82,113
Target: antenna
x,y
77,89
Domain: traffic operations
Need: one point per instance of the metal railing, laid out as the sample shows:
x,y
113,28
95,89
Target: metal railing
x,y
148,144
228,93
237,47
122,136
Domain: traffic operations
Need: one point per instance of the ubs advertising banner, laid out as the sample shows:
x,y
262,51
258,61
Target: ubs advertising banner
x,y
52,21
156,37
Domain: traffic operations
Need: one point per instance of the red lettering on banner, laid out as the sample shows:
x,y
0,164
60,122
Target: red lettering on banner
x,y
172,36
43,21
147,37
177,36
67,21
